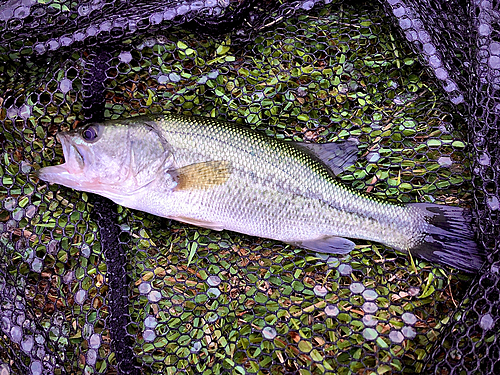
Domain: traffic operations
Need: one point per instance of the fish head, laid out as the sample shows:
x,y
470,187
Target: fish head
x,y
112,158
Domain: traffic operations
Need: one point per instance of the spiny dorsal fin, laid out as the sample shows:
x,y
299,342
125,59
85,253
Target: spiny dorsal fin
x,y
338,156
201,175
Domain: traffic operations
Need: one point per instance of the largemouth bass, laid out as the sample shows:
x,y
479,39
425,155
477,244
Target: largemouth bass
x,y
221,175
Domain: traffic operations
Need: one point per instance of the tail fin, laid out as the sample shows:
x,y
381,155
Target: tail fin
x,y
449,238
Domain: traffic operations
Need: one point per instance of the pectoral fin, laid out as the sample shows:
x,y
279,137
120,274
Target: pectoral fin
x,y
328,245
198,223
201,175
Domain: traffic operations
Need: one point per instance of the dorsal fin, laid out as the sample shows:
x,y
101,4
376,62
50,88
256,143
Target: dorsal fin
x,y
338,156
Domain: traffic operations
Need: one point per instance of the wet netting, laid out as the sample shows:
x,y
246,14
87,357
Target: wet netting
x,y
90,287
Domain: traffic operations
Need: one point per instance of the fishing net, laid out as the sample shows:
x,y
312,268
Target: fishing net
x,y
90,287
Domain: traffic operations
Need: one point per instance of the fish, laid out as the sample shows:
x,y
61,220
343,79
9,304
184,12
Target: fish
x,y
225,176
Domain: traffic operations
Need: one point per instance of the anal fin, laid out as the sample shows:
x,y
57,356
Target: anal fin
x,y
327,245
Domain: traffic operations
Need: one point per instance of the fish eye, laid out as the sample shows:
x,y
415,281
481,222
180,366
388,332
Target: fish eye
x,y
90,133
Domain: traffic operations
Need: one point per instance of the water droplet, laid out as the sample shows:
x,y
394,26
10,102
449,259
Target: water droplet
x,y
213,292
370,333
5,324
495,268
91,357
332,310
40,48
53,44
4,369
85,250
369,320
149,335
409,318
84,9
457,98
320,290
343,88
144,288
409,332
65,85
105,26
125,57
36,368
493,203
429,49
16,334
156,18
154,296
52,247
484,159
21,317
37,265
356,288
345,269
69,277
370,295
399,11
150,321
484,29
214,280
80,296
25,111
169,14
12,113
308,5
441,73
22,12
487,322
196,347
162,79
445,161
349,67
18,214
212,318
95,341
25,167
27,344
450,85
30,211
396,337
202,80
125,228
333,262
213,74
369,307
413,291
9,203
174,77
373,157
88,330
269,333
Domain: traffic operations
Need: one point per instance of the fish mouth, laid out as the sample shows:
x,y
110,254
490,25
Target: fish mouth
x,y
70,171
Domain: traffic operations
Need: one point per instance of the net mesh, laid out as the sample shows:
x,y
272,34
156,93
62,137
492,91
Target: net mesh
x,y
90,287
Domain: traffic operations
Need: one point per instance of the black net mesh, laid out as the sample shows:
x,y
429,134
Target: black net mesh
x,y
87,286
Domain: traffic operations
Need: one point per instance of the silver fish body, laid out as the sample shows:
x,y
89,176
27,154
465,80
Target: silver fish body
x,y
224,176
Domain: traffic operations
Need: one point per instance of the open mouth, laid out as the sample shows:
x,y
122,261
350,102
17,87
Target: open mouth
x,y
74,163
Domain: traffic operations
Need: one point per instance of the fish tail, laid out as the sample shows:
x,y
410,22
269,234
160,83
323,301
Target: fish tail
x,y
448,238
